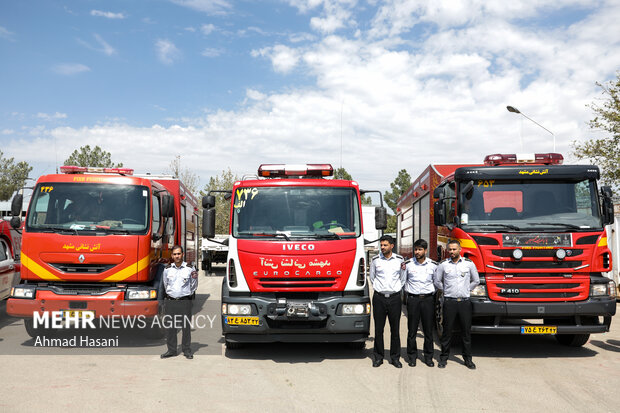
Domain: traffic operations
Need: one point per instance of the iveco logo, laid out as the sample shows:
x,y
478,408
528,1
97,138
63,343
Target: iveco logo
x,y
81,258
297,247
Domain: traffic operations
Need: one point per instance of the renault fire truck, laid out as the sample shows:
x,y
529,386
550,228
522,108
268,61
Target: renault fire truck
x,y
296,269
535,229
96,240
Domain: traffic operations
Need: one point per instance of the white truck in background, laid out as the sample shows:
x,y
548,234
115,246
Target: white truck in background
x,y
214,250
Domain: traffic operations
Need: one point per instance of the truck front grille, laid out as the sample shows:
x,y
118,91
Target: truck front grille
x,y
535,265
298,282
70,268
518,290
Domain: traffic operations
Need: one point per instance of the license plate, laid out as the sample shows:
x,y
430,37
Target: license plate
x,y
539,330
241,321
76,313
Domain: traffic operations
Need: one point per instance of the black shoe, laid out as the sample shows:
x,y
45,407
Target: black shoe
x,y
470,365
396,363
377,363
442,365
168,354
188,356
429,363
411,362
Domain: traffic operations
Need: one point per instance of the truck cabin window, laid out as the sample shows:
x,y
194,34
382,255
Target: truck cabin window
x,y
300,212
89,207
531,206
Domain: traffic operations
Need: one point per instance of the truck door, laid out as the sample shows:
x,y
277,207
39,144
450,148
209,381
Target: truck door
x,y
7,270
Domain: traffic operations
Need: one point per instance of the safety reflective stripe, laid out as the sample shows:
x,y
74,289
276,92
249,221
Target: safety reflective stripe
x,y
36,269
130,270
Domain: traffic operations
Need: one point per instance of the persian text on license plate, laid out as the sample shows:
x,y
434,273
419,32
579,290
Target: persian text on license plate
x,y
539,330
241,321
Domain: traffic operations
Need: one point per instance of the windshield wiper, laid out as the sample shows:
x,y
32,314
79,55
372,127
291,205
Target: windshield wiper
x,y
59,229
266,234
557,223
332,235
113,230
516,228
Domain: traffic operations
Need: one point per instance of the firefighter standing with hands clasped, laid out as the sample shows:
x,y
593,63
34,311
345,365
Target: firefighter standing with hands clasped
x,y
180,282
456,276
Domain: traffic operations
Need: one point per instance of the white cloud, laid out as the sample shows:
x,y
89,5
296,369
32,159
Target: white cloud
x,y
336,14
214,7
108,14
69,69
6,34
211,52
104,47
255,94
7,132
283,58
167,52
53,116
207,29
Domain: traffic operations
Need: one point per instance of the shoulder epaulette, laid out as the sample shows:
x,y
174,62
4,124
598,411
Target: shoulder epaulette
x,y
467,259
375,257
168,266
434,262
408,261
399,256
446,260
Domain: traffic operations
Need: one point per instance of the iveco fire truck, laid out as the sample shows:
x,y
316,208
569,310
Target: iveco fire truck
x,y
296,267
535,230
96,240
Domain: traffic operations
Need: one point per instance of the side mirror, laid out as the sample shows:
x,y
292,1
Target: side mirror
x,y
608,205
16,205
468,189
438,192
208,201
439,214
380,218
16,222
208,223
167,206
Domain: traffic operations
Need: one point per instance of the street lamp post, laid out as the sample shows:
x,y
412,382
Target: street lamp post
x,y
515,110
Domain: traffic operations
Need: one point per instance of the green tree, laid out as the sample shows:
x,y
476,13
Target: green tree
x,y
604,152
189,178
97,157
222,182
399,186
341,173
12,176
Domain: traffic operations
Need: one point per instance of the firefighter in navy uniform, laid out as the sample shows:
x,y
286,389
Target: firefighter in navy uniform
x,y
420,302
387,275
180,283
456,276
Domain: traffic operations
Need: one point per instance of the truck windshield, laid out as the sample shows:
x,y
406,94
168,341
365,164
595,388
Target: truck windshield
x,y
530,206
69,208
299,212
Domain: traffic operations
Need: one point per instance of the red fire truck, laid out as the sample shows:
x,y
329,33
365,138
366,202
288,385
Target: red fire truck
x,y
296,267
535,230
96,240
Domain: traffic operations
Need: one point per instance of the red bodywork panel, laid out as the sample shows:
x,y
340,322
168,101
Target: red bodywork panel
x,y
278,266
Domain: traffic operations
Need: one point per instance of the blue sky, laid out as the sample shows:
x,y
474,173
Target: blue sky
x,y
234,84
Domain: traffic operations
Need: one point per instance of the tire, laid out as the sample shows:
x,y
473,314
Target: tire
x,y
233,346
572,340
156,332
32,332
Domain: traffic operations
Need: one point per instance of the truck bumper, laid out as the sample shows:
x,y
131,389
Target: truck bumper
x,y
109,304
324,324
570,317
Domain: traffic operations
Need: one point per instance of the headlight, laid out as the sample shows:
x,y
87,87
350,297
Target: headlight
x,y
141,294
355,309
21,292
238,309
597,290
560,254
517,254
479,291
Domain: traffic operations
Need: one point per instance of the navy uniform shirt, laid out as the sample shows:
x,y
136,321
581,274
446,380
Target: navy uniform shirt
x,y
387,275
420,276
180,281
456,279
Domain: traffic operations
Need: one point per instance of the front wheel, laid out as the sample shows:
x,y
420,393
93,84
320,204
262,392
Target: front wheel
x,y
572,340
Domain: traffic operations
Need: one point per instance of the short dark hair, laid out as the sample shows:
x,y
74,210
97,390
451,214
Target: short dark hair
x,y
421,243
454,241
177,247
387,238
